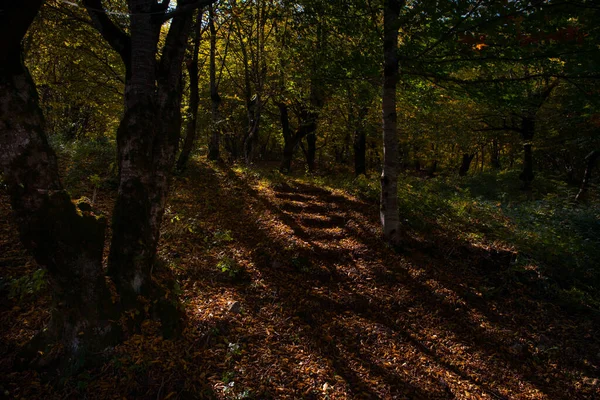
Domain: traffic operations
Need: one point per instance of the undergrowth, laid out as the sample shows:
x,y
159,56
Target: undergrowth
x,y
86,164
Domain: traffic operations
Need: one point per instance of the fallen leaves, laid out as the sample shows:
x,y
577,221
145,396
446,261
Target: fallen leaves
x,y
321,308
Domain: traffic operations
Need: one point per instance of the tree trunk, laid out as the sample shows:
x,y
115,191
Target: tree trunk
x,y
495,155
289,142
67,240
360,144
147,140
311,150
215,136
192,124
527,132
432,169
591,161
251,140
466,164
390,218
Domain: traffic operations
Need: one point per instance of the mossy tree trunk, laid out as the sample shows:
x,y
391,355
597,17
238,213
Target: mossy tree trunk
x,y
66,239
147,141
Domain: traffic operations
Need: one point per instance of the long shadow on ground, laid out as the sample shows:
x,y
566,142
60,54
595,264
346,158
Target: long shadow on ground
x,y
329,309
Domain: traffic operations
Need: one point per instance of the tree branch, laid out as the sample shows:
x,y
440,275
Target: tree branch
x,y
187,8
115,36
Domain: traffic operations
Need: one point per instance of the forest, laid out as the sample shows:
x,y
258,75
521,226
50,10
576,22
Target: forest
x,y
310,199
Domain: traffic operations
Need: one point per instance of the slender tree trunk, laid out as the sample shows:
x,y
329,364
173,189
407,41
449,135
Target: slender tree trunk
x,y
390,218
495,155
482,157
67,240
311,150
432,168
466,164
307,126
360,144
591,161
289,142
527,132
192,124
213,145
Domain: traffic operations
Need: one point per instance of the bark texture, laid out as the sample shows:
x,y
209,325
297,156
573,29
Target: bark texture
x,y
147,140
65,238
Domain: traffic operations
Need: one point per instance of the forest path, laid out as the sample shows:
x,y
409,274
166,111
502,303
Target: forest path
x,y
289,292
328,310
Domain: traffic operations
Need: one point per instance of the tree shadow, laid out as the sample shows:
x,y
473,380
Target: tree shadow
x,y
427,301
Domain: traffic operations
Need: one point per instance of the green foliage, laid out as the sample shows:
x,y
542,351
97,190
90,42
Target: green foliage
x,y
547,230
230,267
559,239
27,285
82,161
228,377
220,237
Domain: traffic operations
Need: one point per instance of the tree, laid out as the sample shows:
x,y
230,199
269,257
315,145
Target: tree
x,y
213,146
194,99
147,137
389,213
65,238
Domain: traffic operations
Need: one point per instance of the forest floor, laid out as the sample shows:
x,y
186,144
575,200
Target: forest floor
x,y
290,293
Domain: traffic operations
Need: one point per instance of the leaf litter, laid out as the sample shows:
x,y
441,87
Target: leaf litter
x,y
289,292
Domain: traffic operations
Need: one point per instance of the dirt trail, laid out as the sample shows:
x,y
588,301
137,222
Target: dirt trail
x,y
290,293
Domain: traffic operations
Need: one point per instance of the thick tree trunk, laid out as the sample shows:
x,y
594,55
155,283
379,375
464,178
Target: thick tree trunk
x,y
465,164
215,136
591,161
65,239
194,99
527,132
390,218
147,140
